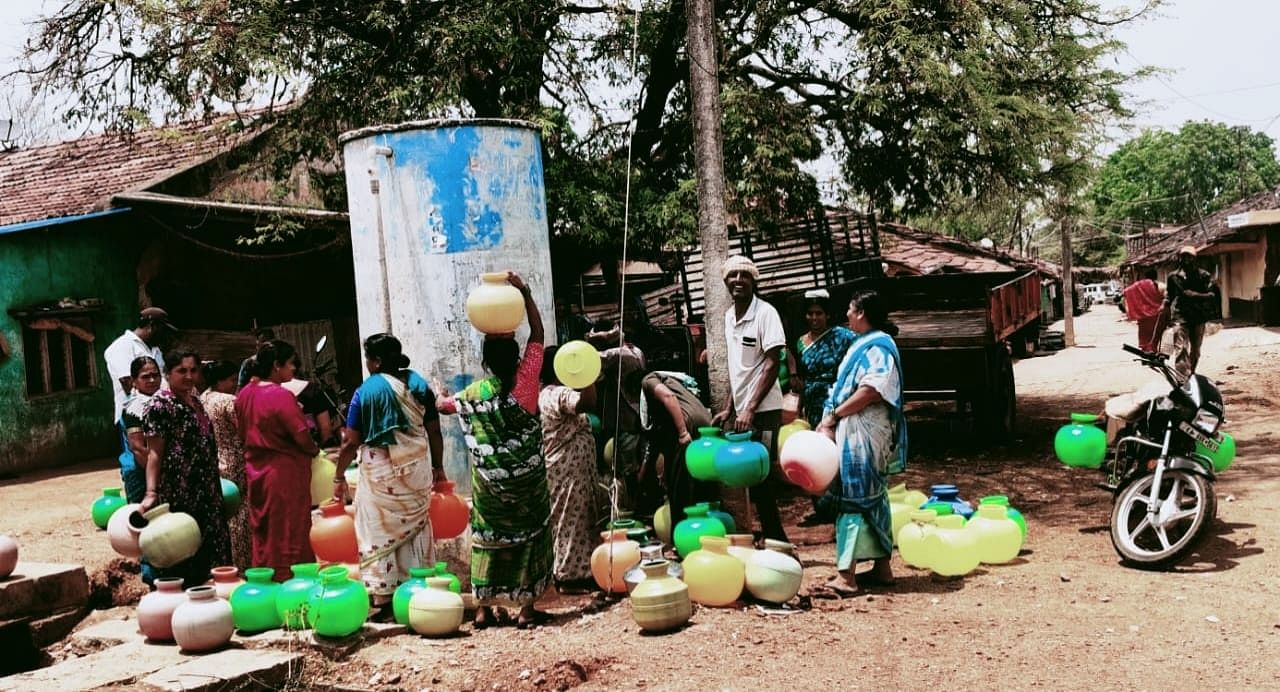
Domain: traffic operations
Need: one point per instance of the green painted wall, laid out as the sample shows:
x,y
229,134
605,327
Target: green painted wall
x,y
92,258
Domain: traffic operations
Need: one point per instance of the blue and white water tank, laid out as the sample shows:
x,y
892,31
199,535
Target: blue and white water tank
x,y
434,204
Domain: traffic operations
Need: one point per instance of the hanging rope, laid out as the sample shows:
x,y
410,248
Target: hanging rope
x,y
614,484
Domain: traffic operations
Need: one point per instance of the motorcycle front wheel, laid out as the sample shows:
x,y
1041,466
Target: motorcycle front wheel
x,y
1185,506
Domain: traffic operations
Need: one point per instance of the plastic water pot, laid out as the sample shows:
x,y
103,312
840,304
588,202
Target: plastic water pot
x,y
741,462
700,455
952,549
998,537
1081,444
911,539
810,460
495,306
715,578
696,524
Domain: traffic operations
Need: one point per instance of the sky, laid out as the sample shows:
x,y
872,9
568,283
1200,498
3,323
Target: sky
x,y
1219,56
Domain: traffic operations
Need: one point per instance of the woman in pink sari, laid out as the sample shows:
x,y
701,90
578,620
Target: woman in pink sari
x,y
278,449
1142,303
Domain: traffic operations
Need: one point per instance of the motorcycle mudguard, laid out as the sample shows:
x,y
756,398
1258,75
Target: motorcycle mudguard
x,y
1204,468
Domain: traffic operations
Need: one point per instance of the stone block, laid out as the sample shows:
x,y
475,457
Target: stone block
x,y
50,629
230,669
119,665
115,631
41,588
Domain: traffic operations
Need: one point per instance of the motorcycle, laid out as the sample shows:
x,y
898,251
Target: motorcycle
x,y
1160,468
324,374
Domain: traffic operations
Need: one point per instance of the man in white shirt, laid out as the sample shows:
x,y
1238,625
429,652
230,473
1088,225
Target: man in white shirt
x,y
152,333
755,339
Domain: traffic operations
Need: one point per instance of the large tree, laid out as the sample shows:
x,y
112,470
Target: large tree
x,y
918,102
1174,177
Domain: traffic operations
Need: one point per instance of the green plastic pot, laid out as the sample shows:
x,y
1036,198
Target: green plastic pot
x,y
291,598
105,506
700,455
1081,444
696,524
338,606
416,582
1224,456
231,497
253,603
442,571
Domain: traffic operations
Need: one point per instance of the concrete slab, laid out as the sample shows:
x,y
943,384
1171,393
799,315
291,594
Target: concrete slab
x,y
237,669
116,631
41,588
119,665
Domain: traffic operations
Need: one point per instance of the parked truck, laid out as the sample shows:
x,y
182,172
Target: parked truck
x,y
958,335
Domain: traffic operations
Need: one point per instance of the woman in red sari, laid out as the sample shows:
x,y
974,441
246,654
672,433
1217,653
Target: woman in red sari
x,y
278,449
1143,301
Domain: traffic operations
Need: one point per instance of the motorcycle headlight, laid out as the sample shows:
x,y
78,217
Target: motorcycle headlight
x,y
1207,421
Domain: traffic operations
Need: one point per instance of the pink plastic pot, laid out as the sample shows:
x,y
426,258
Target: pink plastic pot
x,y
155,610
810,460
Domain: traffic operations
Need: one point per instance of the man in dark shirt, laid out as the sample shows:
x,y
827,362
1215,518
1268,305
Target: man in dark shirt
x,y
674,415
1192,299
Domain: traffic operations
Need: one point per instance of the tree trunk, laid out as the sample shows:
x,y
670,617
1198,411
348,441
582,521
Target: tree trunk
x,y
709,160
1068,285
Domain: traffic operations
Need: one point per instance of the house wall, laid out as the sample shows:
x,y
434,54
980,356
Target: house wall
x,y
92,258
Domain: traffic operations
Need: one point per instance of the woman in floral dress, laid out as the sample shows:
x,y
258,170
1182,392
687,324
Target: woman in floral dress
x,y
182,467
220,403
570,452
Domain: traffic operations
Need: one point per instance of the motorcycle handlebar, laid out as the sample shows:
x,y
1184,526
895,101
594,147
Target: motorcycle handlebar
x,y
1136,351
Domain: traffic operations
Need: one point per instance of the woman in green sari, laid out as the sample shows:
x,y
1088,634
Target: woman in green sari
x,y
511,538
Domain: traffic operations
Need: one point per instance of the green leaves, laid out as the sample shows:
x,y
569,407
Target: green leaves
x,y
923,103
1172,177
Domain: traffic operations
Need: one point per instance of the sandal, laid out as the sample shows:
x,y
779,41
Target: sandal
x,y
484,617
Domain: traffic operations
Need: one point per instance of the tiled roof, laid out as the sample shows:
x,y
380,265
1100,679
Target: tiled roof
x,y
927,252
1215,229
80,176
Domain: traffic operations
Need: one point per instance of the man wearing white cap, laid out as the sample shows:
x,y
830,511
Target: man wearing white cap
x,y
1192,299
147,339
755,339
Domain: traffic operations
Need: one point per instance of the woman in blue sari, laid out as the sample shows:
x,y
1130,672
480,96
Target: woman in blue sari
x,y
819,351
864,416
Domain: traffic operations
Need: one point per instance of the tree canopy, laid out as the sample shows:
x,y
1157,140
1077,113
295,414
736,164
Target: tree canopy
x,y
917,102
1174,177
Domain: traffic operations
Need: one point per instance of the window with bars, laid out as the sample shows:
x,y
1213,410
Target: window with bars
x,y
59,355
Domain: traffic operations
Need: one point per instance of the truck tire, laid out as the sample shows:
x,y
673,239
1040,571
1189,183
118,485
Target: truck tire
x,y
1026,341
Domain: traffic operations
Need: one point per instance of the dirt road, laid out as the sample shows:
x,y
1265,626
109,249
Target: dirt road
x,y
1066,616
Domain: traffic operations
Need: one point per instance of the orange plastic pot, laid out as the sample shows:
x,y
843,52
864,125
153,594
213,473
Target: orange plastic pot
x,y
449,513
333,535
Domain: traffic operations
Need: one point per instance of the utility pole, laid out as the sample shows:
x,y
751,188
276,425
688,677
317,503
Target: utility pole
x,y
1068,281
713,236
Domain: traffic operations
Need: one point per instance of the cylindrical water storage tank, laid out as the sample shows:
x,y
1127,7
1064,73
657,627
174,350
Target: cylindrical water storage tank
x,y
434,204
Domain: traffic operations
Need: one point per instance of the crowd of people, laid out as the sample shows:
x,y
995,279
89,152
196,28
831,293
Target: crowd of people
x,y
541,487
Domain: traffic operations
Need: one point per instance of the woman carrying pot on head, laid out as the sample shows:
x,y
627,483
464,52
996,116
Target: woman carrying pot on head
x,y
278,449
511,542
864,415
393,425
220,403
182,467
